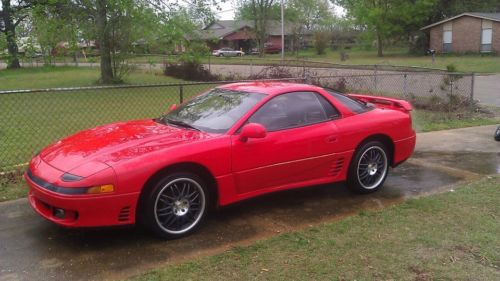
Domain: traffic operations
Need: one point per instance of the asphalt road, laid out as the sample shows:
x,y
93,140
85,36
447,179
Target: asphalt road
x,y
34,249
487,89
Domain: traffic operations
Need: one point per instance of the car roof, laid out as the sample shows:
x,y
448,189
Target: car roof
x,y
269,87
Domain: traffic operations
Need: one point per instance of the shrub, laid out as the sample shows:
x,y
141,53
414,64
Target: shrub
x,y
339,85
190,71
273,72
451,68
321,41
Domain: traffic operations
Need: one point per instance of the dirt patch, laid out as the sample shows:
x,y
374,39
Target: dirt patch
x,y
422,275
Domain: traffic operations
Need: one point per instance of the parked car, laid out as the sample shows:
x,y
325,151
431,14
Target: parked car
x,y
229,144
227,52
269,48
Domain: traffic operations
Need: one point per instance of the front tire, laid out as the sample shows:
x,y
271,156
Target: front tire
x,y
176,206
369,168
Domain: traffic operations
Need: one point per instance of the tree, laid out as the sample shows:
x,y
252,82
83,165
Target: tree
x,y
54,29
260,11
113,24
387,18
321,41
449,8
10,17
118,23
311,14
3,44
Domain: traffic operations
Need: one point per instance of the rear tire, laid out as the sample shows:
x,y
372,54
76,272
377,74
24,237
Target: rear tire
x,y
176,205
369,168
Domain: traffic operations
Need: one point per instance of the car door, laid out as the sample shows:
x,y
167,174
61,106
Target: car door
x,y
299,145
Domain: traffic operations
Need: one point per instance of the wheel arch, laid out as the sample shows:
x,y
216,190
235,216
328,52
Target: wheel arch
x,y
192,167
385,139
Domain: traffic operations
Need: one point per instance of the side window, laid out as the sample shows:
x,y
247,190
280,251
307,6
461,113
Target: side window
x,y
331,112
354,105
294,110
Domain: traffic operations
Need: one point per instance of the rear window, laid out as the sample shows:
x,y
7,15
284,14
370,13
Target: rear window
x,y
353,104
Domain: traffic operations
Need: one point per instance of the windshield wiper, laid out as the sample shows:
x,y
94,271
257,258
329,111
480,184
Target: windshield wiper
x,y
181,124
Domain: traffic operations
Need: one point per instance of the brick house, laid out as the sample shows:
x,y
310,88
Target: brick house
x,y
239,34
467,32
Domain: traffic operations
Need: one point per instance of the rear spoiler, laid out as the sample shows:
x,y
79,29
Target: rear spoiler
x,y
384,102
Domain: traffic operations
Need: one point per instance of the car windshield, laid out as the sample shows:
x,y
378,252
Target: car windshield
x,y
215,111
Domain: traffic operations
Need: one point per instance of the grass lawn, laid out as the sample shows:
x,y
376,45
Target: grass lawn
x,y
12,186
399,57
451,236
427,121
33,120
68,76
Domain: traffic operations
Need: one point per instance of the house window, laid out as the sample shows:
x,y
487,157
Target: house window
x,y
486,35
447,37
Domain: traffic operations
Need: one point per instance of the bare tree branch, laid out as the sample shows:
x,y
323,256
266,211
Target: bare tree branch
x,y
20,19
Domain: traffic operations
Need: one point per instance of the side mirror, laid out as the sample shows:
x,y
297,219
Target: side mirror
x,y
252,131
172,107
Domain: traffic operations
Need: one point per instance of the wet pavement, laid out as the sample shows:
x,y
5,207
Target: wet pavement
x,y
33,249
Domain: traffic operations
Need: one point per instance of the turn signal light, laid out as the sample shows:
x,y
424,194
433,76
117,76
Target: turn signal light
x,y
101,189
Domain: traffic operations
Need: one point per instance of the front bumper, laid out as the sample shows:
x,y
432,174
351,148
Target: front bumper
x,y
94,210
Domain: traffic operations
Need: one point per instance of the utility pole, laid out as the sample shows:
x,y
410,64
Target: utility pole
x,y
282,32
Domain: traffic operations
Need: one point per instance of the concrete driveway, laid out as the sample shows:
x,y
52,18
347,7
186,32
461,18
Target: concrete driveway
x,y
33,249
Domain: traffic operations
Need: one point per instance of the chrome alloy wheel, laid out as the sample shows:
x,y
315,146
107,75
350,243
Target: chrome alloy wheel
x,y
179,206
372,167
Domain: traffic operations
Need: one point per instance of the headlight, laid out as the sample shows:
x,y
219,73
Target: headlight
x,y
67,177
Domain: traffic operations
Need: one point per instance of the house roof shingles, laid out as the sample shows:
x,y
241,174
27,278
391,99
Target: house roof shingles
x,y
222,28
488,16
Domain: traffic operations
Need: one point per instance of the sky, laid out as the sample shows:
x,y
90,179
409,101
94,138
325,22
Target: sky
x,y
228,8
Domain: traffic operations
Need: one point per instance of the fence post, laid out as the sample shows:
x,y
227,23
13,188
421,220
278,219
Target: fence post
x,y
181,93
307,77
473,79
304,68
405,85
375,78
451,84
251,66
209,63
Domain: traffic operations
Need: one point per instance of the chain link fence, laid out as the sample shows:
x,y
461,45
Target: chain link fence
x,y
31,119
446,92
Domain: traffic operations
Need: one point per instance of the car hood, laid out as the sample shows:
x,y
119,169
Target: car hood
x,y
115,142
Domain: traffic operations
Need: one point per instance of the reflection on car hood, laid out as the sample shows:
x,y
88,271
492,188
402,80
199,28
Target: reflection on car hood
x,y
115,142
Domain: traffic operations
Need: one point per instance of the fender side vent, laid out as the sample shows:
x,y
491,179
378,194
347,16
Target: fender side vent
x,y
337,167
124,214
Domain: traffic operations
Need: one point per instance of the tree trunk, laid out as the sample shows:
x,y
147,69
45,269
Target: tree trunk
x,y
379,45
104,42
10,32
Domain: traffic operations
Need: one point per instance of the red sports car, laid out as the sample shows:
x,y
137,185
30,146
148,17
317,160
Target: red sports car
x,y
231,143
